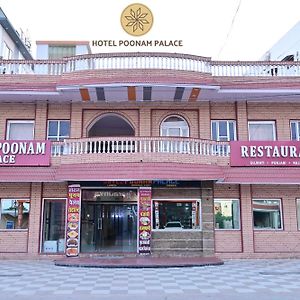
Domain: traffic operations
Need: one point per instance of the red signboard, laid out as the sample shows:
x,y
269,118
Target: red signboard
x,y
144,221
73,220
265,154
24,153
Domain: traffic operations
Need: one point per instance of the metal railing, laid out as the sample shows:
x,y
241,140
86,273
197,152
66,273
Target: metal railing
x,y
161,61
129,145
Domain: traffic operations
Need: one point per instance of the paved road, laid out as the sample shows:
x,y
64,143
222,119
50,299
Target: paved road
x,y
237,279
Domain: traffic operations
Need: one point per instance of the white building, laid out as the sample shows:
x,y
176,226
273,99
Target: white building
x,y
60,49
12,44
287,48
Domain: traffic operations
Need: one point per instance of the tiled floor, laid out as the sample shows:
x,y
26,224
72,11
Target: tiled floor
x,y
242,277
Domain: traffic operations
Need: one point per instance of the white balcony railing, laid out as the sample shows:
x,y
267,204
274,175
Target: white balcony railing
x,y
127,145
162,61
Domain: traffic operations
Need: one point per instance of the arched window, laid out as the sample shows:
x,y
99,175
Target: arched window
x,y
111,125
174,126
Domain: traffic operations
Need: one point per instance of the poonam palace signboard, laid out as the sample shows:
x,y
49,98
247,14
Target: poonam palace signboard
x,y
24,153
265,154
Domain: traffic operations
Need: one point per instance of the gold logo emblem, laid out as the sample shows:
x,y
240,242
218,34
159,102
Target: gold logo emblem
x,y
136,19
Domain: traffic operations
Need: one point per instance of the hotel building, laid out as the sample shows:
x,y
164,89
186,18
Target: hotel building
x,y
137,153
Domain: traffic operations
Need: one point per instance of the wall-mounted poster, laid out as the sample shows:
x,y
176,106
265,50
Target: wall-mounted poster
x,y
144,221
73,220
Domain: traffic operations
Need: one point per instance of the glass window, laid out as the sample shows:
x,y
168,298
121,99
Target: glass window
x,y
295,130
298,212
14,213
267,214
223,130
58,130
174,126
20,130
176,215
262,131
6,52
54,225
56,52
227,214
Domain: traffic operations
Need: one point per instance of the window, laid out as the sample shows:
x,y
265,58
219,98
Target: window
x,y
56,52
295,130
20,130
262,131
14,213
176,215
58,130
174,126
298,212
267,214
6,52
54,225
223,130
227,214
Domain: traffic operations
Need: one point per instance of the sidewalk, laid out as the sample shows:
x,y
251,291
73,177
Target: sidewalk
x,y
234,280
138,262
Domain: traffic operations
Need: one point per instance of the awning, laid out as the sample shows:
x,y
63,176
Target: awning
x,y
248,175
27,174
138,171
151,171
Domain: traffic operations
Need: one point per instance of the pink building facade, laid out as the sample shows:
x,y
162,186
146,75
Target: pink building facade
x,y
139,153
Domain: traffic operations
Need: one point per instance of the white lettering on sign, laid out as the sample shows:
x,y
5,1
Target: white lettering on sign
x,y
18,152
7,159
26,148
270,151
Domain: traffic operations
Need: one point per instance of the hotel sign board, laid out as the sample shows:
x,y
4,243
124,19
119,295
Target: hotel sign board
x,y
15,153
265,154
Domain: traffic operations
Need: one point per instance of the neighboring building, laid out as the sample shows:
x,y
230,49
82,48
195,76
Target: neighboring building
x,y
60,49
12,46
287,48
140,155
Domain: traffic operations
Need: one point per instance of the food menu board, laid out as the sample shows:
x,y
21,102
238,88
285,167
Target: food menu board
x,y
73,221
144,221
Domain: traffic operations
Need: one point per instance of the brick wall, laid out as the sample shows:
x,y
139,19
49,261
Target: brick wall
x,y
250,243
147,119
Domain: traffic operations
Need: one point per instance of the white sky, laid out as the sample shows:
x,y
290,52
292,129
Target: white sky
x,y
203,25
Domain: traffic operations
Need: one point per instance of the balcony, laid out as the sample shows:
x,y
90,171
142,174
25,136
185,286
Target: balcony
x,y
162,61
140,149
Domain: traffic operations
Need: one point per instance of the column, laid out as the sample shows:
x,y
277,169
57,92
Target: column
x,y
242,121
145,122
246,219
40,131
207,205
204,120
76,120
35,218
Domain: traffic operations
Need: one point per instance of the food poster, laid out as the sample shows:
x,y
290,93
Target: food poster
x,y
73,221
144,221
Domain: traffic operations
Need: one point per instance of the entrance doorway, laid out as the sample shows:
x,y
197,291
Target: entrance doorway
x,y
108,226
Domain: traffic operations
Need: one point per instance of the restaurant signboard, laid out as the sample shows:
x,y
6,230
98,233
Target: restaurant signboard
x,y
73,220
265,154
144,221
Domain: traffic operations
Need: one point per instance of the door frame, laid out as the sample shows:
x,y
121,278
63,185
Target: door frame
x,y
136,189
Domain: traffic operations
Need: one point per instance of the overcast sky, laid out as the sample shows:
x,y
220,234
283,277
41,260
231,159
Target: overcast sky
x,y
213,28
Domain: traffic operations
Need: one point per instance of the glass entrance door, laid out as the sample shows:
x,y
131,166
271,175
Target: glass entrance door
x,y
108,227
